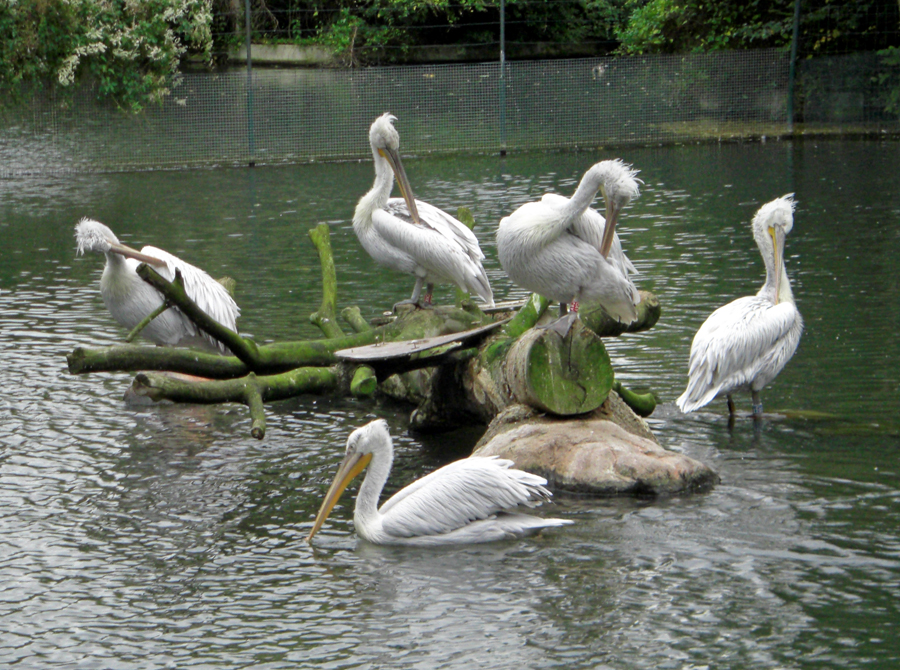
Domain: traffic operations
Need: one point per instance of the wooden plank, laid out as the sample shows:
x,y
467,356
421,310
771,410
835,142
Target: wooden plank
x,y
393,350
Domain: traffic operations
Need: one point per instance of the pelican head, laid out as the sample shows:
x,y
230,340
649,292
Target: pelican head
x,y
363,444
771,224
385,142
618,183
92,235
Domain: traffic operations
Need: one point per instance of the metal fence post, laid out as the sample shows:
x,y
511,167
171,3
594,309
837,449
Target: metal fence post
x,y
502,77
250,143
793,67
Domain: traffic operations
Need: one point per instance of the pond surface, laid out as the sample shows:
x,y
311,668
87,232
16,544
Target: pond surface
x,y
152,537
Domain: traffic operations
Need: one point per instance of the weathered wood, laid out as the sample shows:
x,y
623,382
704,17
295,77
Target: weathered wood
x,y
562,375
146,321
604,325
364,382
251,390
355,320
174,293
268,359
326,316
642,404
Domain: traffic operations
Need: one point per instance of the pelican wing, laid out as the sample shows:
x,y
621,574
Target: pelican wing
x,y
450,228
436,245
458,494
740,341
210,295
589,226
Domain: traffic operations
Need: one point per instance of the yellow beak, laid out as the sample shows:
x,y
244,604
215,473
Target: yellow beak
x,y
350,467
128,252
393,158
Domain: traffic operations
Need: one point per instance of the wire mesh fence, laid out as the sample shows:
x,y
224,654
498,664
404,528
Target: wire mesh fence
x,y
297,115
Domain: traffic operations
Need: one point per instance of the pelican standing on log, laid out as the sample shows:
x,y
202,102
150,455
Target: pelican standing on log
x,y
411,236
563,250
471,500
746,343
130,299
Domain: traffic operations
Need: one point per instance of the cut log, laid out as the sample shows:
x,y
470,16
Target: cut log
x,y
562,375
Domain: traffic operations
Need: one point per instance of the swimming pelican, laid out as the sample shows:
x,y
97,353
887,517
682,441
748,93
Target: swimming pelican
x,y
471,500
412,236
130,299
745,344
562,249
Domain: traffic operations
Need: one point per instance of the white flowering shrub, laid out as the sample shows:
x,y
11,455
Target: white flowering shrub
x,y
131,48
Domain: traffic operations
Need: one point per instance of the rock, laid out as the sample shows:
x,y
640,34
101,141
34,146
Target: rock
x,y
610,451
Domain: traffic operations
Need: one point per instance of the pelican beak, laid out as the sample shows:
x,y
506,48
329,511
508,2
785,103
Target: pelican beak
x,y
612,215
777,235
128,252
350,467
393,158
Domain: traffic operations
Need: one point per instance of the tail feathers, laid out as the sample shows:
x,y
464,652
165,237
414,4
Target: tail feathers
x,y
688,402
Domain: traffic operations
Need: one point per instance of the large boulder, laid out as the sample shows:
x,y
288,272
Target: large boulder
x,y
610,451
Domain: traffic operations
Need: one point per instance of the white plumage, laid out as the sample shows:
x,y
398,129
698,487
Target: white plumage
x,y
563,250
471,500
130,299
746,343
412,236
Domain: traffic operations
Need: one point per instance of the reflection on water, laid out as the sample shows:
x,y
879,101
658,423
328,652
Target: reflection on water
x,y
164,536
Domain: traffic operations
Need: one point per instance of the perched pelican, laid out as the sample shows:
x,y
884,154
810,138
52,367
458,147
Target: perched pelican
x,y
562,249
412,236
470,500
746,343
130,299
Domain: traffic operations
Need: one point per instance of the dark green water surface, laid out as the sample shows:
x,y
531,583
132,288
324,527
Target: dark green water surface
x,y
157,537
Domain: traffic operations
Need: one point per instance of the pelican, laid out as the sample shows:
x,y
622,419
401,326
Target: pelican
x,y
471,500
130,299
562,249
745,344
412,236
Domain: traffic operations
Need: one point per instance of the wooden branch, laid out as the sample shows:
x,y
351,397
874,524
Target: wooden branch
x,y
354,318
364,382
251,390
270,358
642,404
604,325
326,316
146,320
245,350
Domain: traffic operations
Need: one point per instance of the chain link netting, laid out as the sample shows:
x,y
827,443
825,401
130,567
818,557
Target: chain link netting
x,y
299,115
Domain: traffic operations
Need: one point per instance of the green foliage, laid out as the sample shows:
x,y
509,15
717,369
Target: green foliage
x,y
673,26
889,78
131,48
826,26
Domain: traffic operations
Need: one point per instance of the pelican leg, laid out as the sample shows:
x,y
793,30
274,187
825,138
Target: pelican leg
x,y
730,405
429,290
562,325
416,294
757,404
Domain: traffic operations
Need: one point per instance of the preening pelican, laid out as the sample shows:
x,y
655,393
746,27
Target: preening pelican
x,y
471,500
562,249
745,344
412,236
130,299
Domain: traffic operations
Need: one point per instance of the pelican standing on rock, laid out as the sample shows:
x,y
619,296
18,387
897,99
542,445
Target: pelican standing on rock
x,y
745,344
471,500
563,250
412,236
130,299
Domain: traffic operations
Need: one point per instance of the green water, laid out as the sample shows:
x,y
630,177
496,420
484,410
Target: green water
x,y
153,537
